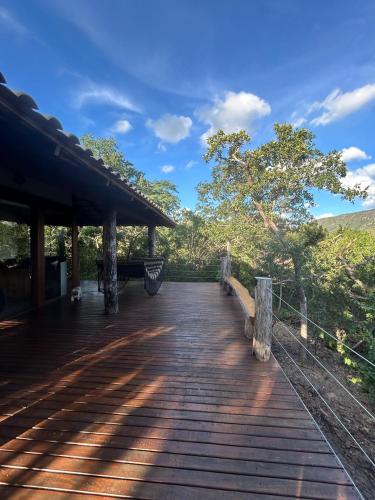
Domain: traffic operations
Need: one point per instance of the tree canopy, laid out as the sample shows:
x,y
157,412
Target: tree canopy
x,y
275,180
163,192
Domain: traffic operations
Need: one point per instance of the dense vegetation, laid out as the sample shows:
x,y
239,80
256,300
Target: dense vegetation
x,y
258,200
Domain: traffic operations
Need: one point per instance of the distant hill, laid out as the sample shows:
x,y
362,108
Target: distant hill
x,y
364,220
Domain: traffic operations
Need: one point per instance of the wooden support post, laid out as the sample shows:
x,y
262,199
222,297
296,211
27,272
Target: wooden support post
x,y
249,328
151,241
75,256
263,319
110,263
37,257
225,268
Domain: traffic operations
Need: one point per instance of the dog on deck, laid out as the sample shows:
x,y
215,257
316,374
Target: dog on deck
x,y
76,294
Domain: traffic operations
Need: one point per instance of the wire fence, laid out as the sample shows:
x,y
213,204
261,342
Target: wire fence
x,y
328,405
301,368
188,273
353,351
325,368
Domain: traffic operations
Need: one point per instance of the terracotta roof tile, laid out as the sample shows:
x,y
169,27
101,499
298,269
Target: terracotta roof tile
x,y
24,103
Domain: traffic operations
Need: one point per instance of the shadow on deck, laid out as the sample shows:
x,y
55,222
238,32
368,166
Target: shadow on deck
x,y
161,401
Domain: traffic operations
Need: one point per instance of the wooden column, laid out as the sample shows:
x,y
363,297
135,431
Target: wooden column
x,y
263,319
37,257
151,241
75,256
110,263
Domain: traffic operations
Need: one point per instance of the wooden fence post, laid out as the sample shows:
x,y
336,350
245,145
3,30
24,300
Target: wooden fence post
x,y
222,270
225,268
263,319
226,272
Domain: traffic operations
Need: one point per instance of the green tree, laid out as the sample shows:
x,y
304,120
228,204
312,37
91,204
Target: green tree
x,y
107,149
342,296
14,240
131,241
275,183
162,192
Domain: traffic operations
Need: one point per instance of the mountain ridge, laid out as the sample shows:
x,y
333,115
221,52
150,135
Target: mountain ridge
x,y
361,221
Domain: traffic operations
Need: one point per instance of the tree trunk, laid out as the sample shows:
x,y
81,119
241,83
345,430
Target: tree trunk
x,y
303,327
280,298
269,223
151,241
302,304
61,243
110,263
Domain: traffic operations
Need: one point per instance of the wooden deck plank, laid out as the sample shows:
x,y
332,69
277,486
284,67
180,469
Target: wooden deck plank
x,y
36,414
162,401
171,476
181,435
174,414
194,462
278,395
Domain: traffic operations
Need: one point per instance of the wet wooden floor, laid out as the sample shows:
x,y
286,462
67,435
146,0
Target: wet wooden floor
x,y
162,401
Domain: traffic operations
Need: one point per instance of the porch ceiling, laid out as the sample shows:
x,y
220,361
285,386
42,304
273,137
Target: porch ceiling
x,y
43,165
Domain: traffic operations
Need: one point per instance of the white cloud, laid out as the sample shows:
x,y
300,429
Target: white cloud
x,y
167,169
298,122
323,216
190,164
171,128
353,153
365,178
121,127
101,94
161,147
339,104
10,22
235,112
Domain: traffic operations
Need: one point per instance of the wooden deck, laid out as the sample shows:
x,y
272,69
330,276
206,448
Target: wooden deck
x,y
162,401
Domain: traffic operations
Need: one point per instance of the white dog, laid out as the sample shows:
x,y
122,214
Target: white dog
x,y
76,294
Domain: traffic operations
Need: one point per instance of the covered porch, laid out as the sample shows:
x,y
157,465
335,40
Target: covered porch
x,y
47,178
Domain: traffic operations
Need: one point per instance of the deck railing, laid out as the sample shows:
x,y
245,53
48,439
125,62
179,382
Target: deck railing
x,y
257,310
193,272
324,386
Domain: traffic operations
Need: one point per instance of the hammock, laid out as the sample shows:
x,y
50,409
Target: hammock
x,y
151,269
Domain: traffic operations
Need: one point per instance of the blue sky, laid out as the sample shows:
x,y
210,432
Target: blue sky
x,y
160,75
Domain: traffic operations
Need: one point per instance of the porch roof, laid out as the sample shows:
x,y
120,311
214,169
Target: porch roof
x,y
43,165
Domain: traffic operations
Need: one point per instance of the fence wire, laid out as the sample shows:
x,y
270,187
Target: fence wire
x,y
326,369
359,446
325,331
